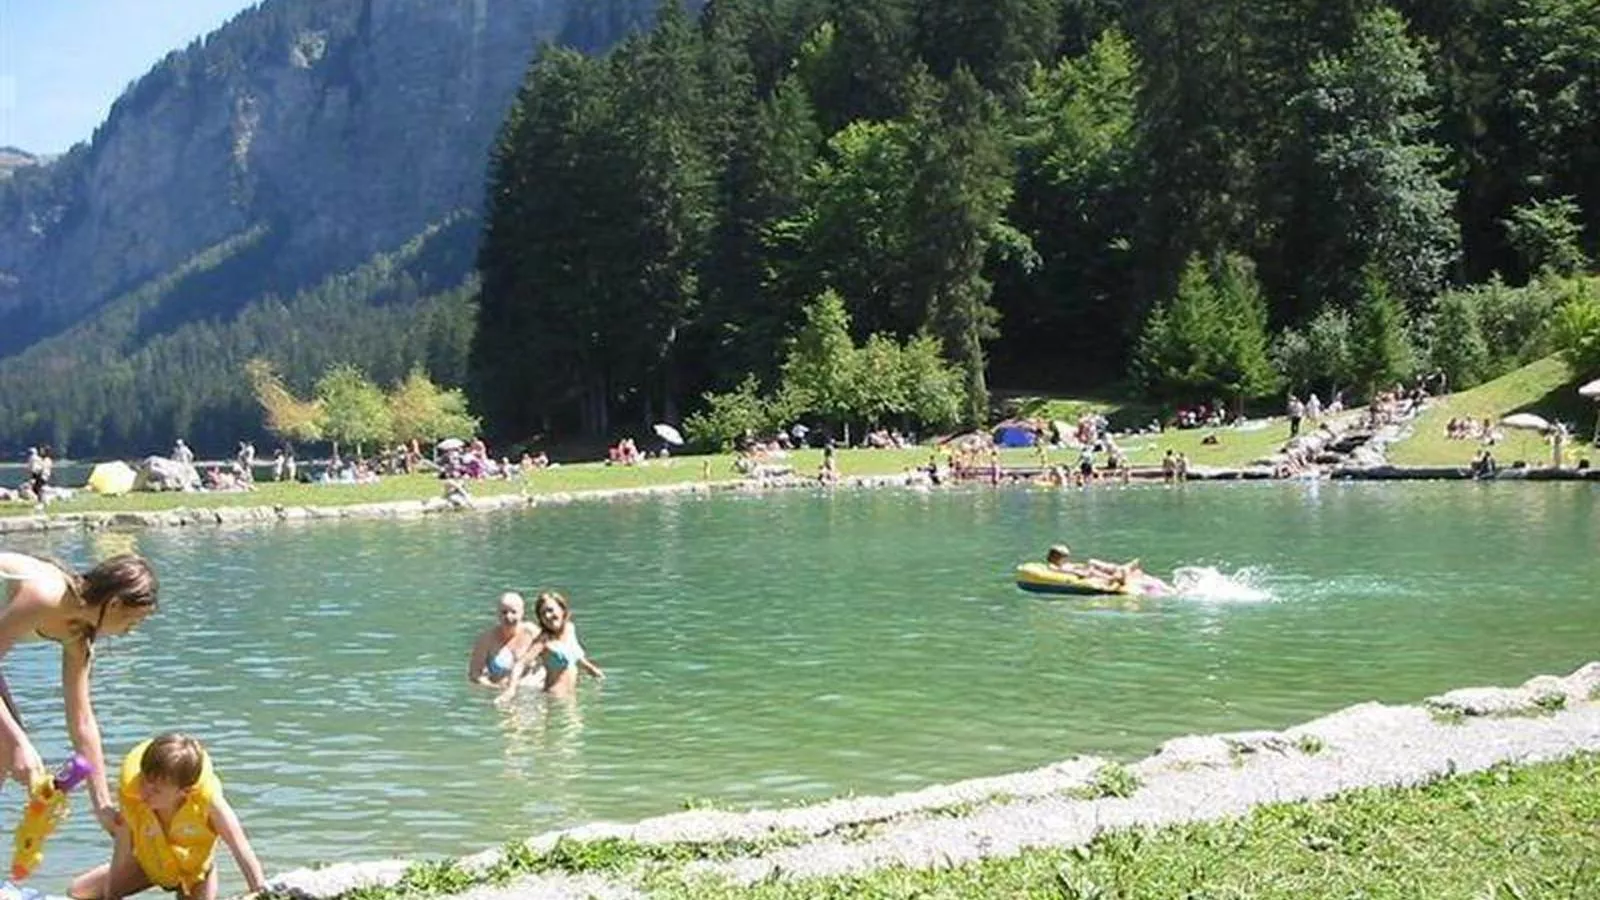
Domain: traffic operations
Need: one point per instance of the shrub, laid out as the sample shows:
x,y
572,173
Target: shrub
x,y
728,416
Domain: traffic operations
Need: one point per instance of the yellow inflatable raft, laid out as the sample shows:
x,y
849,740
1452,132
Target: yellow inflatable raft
x,y
1041,579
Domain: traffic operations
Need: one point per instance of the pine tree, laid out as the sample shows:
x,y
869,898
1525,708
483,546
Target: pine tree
x,y
1382,349
962,189
1380,198
998,41
1241,365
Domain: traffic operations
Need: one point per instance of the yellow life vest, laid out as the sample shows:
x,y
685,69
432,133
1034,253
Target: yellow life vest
x,y
179,855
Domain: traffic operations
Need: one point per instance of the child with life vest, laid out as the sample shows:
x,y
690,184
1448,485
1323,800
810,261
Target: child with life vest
x,y
173,812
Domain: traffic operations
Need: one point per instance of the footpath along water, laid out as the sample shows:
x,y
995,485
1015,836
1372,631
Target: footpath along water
x,y
794,646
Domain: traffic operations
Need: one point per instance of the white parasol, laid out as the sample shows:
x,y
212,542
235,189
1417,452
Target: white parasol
x,y
669,434
1592,391
1527,421
452,444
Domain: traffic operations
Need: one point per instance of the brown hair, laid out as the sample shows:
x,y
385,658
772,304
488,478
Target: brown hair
x,y
176,759
1057,553
124,577
557,599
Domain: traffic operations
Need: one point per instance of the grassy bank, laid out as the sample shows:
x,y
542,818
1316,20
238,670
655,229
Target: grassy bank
x,y
1543,387
1506,833
1547,388
598,476
1510,832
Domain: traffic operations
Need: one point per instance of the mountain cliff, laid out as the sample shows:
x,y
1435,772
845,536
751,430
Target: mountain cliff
x,y
326,130
12,158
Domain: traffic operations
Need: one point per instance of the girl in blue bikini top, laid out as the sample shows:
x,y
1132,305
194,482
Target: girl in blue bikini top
x,y
557,647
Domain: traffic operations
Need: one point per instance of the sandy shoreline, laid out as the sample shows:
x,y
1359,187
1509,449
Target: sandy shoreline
x,y
1187,779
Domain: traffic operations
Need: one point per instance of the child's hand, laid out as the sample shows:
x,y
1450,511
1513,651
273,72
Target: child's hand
x,y
110,818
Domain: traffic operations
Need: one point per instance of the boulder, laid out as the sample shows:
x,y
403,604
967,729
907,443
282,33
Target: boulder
x,y
158,473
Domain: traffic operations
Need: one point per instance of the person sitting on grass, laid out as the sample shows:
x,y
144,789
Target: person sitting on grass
x,y
173,811
455,493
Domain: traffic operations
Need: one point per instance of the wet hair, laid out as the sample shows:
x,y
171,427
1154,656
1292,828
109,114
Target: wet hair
x,y
176,759
1057,553
557,599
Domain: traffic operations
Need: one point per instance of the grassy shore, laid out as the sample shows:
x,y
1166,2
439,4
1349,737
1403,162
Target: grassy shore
x,y
1234,447
1542,387
1510,832
1546,388
1506,833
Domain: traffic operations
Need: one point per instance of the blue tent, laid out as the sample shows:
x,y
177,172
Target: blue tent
x,y
1014,436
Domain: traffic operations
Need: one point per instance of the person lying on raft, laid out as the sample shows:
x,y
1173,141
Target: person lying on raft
x,y
1114,575
500,657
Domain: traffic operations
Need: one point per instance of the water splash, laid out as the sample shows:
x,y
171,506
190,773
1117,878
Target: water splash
x,y
1213,585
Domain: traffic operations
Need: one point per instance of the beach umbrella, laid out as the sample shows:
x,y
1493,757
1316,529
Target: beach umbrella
x,y
1527,421
112,478
452,444
669,434
1592,391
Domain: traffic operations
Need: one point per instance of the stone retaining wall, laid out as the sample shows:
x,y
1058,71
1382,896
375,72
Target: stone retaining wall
x,y
400,509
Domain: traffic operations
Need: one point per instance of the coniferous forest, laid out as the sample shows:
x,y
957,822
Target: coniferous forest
x,y
1188,199
880,210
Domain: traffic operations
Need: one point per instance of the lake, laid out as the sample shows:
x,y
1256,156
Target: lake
x,y
792,646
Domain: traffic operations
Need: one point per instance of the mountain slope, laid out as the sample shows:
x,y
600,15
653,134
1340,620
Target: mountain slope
x,y
145,369
341,127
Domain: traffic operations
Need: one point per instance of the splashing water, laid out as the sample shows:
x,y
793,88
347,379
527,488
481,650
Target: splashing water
x,y
1207,583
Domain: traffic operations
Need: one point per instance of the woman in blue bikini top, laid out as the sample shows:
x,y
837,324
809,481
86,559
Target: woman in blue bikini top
x,y
501,647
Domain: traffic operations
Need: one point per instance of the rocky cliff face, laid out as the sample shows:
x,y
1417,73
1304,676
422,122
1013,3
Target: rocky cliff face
x,y
12,159
342,126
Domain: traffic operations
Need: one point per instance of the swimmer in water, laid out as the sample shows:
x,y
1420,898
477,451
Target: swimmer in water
x,y
500,658
556,649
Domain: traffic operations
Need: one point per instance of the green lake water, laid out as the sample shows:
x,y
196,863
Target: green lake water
x,y
794,646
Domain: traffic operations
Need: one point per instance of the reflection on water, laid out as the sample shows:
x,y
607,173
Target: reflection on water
x,y
542,743
791,647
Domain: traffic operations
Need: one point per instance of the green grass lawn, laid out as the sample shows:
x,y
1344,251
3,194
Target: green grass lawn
x,y
1506,833
1547,387
1234,449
